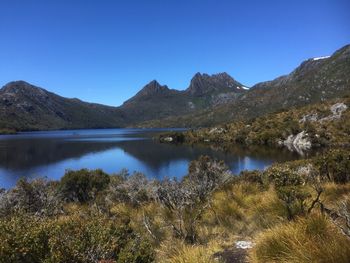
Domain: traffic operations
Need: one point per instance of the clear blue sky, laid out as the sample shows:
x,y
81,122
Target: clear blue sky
x,y
105,51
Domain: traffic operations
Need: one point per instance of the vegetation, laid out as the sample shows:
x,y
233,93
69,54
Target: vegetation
x,y
322,127
7,131
293,212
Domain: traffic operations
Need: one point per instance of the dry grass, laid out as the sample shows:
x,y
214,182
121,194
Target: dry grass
x,y
178,252
312,239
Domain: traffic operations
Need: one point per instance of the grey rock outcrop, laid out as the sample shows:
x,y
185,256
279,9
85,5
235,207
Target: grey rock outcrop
x,y
298,143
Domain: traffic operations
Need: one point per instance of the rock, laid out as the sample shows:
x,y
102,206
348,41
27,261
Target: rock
x,y
168,139
191,105
217,130
298,143
337,110
244,244
309,117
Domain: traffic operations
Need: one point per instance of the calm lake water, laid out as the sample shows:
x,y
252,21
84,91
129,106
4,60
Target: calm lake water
x,y
49,154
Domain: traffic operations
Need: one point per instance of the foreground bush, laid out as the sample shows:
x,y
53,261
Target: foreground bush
x,y
125,218
313,239
39,197
29,239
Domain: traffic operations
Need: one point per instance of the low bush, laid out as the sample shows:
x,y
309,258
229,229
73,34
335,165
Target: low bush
x,y
38,197
29,239
83,185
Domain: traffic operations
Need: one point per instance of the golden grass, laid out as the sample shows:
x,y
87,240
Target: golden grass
x,y
312,239
178,252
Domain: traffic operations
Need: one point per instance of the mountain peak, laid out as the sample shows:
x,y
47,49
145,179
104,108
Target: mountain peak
x,y
204,83
152,89
20,86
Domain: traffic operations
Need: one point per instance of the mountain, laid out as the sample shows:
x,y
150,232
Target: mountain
x,y
202,84
208,100
155,101
26,107
315,80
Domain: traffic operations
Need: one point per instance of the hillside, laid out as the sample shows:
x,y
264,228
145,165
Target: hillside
x,y
298,129
26,107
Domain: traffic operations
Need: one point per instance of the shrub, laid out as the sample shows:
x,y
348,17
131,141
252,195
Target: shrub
x,y
135,189
185,201
289,188
23,238
252,176
38,197
335,165
83,185
72,239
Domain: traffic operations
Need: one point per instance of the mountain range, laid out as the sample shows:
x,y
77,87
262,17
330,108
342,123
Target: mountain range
x,y
208,100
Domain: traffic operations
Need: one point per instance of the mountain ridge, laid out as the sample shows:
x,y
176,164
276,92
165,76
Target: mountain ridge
x,y
208,100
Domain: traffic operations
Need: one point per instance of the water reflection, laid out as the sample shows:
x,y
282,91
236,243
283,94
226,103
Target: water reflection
x,y
49,154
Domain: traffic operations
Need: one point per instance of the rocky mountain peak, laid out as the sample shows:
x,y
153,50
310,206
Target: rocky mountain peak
x,y
152,89
204,83
20,87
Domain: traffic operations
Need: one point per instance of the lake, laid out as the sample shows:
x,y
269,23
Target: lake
x,y
50,153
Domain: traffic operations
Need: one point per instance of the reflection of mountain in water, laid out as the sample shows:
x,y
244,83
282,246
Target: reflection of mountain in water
x,y
156,155
25,154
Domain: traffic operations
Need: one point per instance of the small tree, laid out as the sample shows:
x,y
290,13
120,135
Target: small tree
x,y
289,188
185,201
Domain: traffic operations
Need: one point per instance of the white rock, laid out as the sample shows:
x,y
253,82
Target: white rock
x,y
244,244
298,143
217,130
337,110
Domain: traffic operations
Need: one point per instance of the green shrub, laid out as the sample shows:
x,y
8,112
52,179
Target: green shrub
x,y
73,239
23,239
252,176
289,188
335,165
83,185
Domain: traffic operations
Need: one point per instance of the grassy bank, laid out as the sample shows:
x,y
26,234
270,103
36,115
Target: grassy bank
x,y
291,212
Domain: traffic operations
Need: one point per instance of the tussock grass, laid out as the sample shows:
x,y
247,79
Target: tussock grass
x,y
334,192
311,239
179,252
